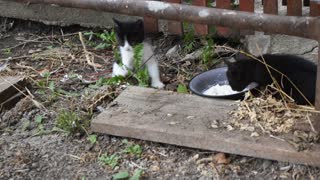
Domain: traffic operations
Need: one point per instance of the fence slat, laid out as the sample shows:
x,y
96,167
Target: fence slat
x,y
314,8
270,7
223,4
200,29
248,6
294,7
175,27
150,25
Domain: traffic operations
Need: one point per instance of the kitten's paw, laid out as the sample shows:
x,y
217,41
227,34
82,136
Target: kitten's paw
x,y
119,70
158,85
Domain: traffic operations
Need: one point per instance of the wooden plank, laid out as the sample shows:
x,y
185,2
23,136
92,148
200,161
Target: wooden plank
x,y
315,8
9,95
200,29
175,27
294,7
150,24
184,120
316,122
223,4
270,7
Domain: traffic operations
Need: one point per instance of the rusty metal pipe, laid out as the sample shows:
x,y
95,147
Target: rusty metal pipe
x,y
308,27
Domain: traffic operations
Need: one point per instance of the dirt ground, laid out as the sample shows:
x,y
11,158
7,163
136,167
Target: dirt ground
x,y
33,147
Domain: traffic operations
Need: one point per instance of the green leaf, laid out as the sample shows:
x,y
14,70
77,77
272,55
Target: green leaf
x,y
46,74
102,46
51,86
38,119
111,161
121,175
182,88
92,138
125,141
137,174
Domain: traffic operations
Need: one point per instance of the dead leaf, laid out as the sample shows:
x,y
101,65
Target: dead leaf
x,y
220,158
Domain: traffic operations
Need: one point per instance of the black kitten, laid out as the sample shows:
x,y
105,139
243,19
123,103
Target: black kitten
x,y
300,71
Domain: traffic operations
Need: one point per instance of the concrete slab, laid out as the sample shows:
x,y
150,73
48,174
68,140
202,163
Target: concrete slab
x,y
54,15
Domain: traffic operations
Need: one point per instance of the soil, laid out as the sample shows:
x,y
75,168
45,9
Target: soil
x,y
33,147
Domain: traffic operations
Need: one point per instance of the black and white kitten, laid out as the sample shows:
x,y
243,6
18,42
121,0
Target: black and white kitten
x,y
129,34
300,71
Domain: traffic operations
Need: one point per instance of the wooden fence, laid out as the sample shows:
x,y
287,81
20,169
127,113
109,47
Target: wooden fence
x,y
294,8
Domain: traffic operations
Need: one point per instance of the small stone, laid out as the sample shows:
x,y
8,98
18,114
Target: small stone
x,y
260,40
172,52
254,134
230,128
169,115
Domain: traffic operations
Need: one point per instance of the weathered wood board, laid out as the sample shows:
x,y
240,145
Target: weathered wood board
x,y
185,120
9,95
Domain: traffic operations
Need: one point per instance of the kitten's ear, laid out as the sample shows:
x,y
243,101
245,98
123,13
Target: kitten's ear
x,y
116,22
139,22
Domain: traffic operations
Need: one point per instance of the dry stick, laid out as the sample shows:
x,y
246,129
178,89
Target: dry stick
x,y
251,56
87,54
310,123
273,79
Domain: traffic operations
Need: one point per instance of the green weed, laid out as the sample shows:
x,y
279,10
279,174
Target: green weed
x,y
189,42
141,73
121,175
92,138
182,88
114,81
111,161
125,175
108,39
70,122
7,51
134,149
207,56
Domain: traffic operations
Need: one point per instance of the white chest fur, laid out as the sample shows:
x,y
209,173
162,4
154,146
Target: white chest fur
x,y
127,54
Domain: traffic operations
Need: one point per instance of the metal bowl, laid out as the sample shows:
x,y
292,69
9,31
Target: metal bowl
x,y
210,78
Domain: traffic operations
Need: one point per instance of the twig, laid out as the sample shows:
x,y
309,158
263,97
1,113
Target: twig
x,y
311,125
89,58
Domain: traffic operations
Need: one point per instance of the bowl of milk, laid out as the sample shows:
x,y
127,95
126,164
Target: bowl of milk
x,y
214,83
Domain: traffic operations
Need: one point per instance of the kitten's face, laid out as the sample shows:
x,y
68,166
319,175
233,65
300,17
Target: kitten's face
x,y
240,74
133,32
